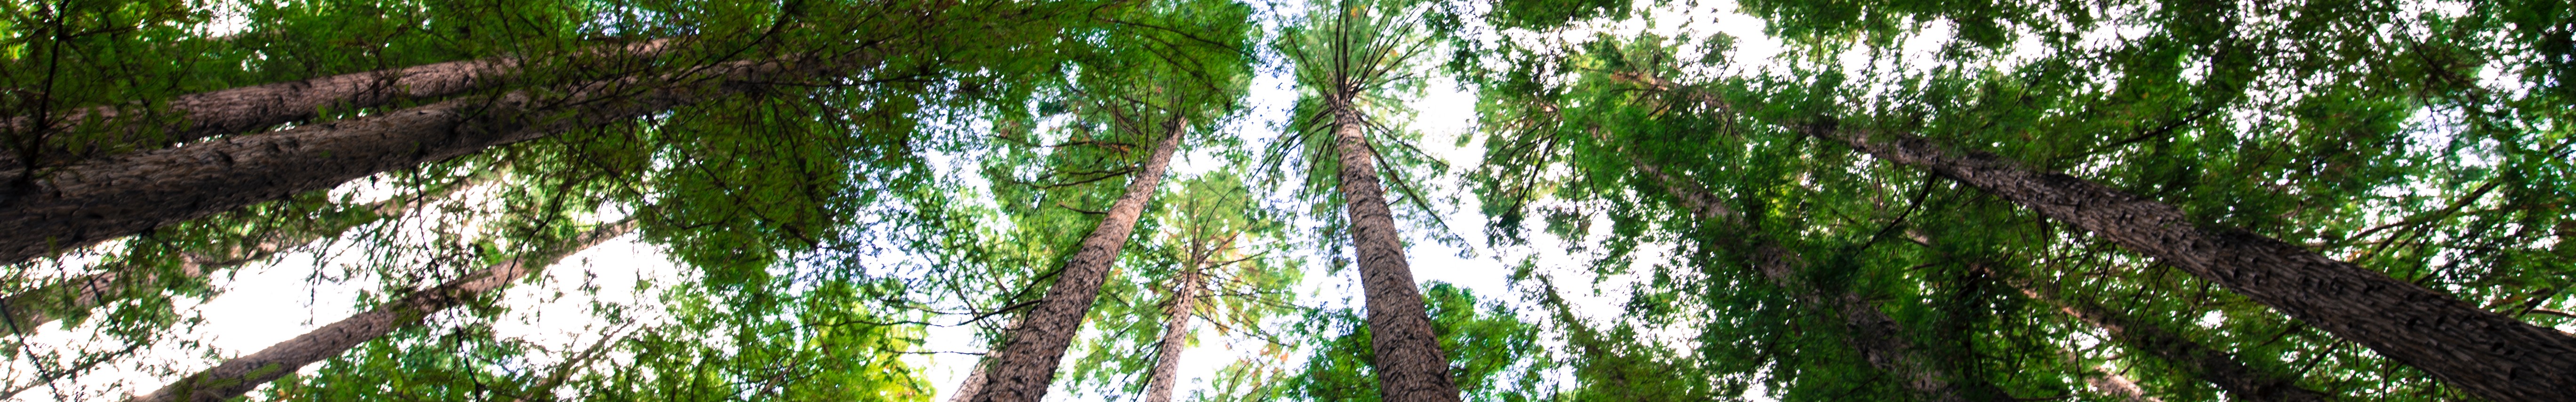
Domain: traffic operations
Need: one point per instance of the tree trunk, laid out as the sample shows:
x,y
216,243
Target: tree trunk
x,y
1410,365
1878,339
2216,367
246,109
1176,331
239,375
1026,363
2199,361
121,195
2484,353
2112,383
25,311
974,383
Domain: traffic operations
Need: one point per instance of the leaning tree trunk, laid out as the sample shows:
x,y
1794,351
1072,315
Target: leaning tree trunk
x,y
2200,361
239,375
2109,382
1879,339
121,195
1410,365
2484,353
1026,363
24,311
1176,330
245,109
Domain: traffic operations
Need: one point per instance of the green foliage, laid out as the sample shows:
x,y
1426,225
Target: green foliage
x,y
1493,354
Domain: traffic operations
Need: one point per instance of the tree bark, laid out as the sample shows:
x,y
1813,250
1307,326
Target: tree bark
x,y
2484,353
246,109
121,195
1879,339
1026,363
1410,365
25,311
1176,331
239,375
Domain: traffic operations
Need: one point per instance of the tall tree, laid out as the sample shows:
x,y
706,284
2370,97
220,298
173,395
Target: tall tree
x,y
239,375
1176,330
1026,363
94,200
1350,52
34,308
2486,353
251,108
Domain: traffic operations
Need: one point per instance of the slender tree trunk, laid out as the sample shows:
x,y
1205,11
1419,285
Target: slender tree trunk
x,y
25,311
2199,361
121,195
2112,383
1026,363
1878,339
1176,331
246,109
1410,365
241,374
2482,352
2216,367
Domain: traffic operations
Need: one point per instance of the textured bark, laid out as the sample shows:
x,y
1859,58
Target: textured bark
x,y
2484,353
1176,331
25,311
1026,363
2216,367
1879,339
239,375
251,108
1410,365
121,195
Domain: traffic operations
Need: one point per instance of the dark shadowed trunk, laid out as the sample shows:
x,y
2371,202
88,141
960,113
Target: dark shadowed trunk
x,y
1026,363
2111,383
2482,352
2200,361
1410,365
121,195
251,108
25,311
241,374
1176,329
1878,339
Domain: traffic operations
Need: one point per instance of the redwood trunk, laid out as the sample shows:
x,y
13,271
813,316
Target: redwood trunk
x,y
240,375
1026,363
246,109
121,195
2484,353
2216,367
2112,383
25,311
1410,365
1176,332
1879,339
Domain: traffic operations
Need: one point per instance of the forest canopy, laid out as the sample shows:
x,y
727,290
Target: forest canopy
x,y
1303,200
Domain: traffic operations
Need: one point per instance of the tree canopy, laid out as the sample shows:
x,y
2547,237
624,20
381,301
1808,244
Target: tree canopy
x,y
1314,200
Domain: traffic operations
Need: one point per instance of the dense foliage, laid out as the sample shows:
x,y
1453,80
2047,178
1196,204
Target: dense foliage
x,y
856,200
